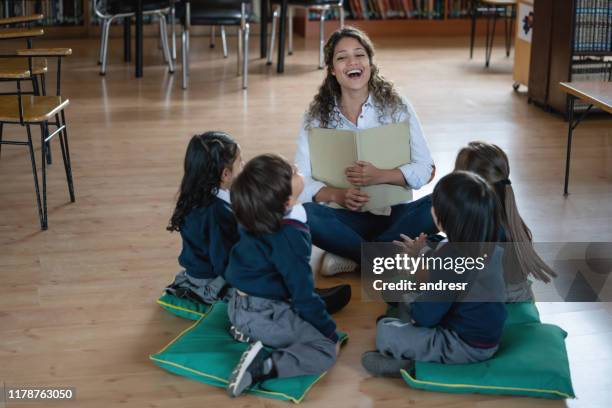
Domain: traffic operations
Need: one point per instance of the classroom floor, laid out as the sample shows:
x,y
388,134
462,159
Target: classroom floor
x,y
77,302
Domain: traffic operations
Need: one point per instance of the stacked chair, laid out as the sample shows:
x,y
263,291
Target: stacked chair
x,y
35,107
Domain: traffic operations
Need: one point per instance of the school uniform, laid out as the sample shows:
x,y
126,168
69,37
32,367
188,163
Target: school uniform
x,y
275,301
342,231
437,328
208,234
518,286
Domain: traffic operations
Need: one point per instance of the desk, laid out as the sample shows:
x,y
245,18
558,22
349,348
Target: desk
x,y
595,93
491,7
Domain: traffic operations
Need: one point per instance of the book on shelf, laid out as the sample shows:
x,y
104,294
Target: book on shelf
x,y
386,147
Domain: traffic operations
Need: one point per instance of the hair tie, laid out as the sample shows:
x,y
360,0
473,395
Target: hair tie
x,y
505,182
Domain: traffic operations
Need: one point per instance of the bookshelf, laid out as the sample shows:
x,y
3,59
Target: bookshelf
x,y
403,17
572,41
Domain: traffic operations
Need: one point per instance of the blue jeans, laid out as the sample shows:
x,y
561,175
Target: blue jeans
x,y
342,232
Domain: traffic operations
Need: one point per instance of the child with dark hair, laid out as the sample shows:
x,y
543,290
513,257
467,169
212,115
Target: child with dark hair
x,y
520,258
275,302
450,327
204,218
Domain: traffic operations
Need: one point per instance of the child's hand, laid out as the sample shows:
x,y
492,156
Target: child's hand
x,y
363,173
412,247
352,199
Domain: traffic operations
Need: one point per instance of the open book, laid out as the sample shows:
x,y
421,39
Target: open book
x,y
386,147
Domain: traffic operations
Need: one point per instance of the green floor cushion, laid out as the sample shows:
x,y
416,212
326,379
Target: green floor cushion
x,y
207,353
531,360
522,312
183,307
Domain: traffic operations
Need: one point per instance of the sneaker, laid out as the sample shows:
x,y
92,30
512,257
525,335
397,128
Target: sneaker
x,y
239,336
380,365
334,264
335,298
254,366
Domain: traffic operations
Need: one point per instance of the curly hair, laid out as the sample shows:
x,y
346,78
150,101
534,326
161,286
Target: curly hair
x,y
207,156
387,100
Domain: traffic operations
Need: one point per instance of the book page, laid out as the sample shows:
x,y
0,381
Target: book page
x,y
386,147
331,152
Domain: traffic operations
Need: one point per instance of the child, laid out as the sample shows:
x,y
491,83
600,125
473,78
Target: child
x,y
275,302
204,217
444,329
520,259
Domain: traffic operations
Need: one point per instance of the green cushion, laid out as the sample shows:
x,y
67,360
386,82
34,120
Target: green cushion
x,y
207,353
531,360
522,312
183,307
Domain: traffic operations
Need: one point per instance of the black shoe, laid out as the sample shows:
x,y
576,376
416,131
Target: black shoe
x,y
335,298
380,365
239,336
185,293
250,370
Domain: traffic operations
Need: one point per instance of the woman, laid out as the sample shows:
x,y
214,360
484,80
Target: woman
x,y
355,96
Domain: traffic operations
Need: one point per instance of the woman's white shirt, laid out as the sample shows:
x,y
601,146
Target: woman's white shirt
x,y
416,173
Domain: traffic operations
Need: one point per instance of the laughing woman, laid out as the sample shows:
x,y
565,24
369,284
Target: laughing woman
x,y
355,96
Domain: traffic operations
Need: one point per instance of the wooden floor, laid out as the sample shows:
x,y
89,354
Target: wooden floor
x,y
77,302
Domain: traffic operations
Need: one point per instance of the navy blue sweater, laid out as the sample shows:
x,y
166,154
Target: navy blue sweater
x,y
208,233
478,323
276,266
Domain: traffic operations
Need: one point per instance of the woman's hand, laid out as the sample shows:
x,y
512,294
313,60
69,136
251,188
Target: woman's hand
x,y
352,199
412,247
363,173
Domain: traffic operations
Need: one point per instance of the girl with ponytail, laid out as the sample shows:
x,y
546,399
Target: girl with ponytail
x,y
521,261
203,216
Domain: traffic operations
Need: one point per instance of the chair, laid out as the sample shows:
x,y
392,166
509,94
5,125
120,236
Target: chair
x,y
493,9
322,6
44,111
218,12
14,67
109,10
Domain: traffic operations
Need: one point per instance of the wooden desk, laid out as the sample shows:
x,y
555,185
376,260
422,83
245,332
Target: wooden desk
x,y
595,93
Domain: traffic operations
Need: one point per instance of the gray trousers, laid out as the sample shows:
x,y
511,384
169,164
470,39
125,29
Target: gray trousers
x,y
403,340
300,348
207,289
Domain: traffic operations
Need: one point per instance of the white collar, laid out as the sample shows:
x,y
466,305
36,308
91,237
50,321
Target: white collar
x,y
298,213
224,195
367,104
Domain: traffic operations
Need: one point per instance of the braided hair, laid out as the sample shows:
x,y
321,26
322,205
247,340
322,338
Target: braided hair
x,y
207,156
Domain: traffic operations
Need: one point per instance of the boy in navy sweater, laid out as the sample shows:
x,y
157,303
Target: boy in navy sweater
x,y
275,302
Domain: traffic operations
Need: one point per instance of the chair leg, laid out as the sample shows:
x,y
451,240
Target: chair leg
x,y
44,132
185,56
245,57
212,37
35,174
43,84
290,30
224,41
63,137
164,38
173,27
275,13
102,37
321,38
341,12
473,28
161,36
490,38
105,31
240,38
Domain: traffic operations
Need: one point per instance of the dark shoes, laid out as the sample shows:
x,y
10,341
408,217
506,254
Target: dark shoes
x,y
335,298
254,366
380,365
